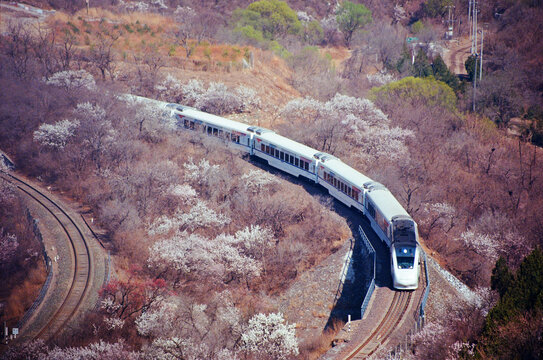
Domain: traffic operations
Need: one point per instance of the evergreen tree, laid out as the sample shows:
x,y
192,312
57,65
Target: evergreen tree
x,y
502,278
422,67
442,72
470,66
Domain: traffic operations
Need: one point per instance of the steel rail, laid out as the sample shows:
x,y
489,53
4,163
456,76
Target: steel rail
x,y
395,313
82,260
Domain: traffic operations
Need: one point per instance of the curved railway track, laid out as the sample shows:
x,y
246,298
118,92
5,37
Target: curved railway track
x,y
82,261
395,313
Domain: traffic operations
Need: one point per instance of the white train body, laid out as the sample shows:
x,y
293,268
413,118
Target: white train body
x,y
398,230
387,217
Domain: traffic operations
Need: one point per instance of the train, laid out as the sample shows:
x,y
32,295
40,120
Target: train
x,y
387,217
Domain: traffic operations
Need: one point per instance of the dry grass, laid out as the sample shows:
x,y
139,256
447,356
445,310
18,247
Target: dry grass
x,y
23,295
314,348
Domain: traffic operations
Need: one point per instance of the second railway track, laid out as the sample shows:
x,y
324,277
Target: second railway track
x,y
82,260
395,313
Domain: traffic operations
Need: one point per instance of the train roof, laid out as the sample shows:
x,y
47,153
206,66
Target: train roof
x,y
209,118
351,175
383,200
288,144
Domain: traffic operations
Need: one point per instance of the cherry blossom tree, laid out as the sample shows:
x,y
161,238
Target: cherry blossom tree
x,y
218,98
200,173
72,80
356,120
185,329
257,180
224,257
199,216
269,336
100,350
169,89
55,136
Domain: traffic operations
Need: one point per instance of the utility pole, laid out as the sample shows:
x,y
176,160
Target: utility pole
x,y
481,61
474,31
450,23
470,25
474,82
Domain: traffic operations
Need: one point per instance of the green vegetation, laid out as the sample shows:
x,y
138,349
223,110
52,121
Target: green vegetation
x,y
421,66
426,90
267,19
514,326
417,27
470,66
351,17
441,72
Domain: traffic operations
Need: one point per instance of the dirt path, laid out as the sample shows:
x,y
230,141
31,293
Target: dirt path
x,y
457,54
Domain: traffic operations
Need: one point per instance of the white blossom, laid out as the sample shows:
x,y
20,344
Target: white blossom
x,y
8,246
248,97
108,304
114,323
200,173
256,180
380,78
192,91
270,335
72,79
254,240
101,350
184,192
169,89
218,99
482,244
157,321
186,253
89,111
56,135
200,215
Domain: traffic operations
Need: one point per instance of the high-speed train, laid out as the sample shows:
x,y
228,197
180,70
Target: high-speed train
x,y
387,217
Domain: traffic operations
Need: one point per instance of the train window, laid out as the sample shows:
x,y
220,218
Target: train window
x,y
267,149
342,185
262,147
220,133
282,155
306,166
349,192
215,132
186,123
291,160
235,138
334,182
371,210
276,153
296,162
192,125
355,194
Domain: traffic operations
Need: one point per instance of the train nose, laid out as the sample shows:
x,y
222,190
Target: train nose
x,y
405,279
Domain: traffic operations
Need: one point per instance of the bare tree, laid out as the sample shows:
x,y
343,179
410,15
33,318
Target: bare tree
x,y
18,47
102,55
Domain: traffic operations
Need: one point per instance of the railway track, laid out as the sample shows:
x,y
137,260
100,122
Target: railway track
x,y
395,313
82,260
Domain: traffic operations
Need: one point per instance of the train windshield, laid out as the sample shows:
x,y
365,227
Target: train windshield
x,y
404,231
405,257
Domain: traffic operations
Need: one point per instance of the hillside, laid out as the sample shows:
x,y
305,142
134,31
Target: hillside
x,y
473,189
